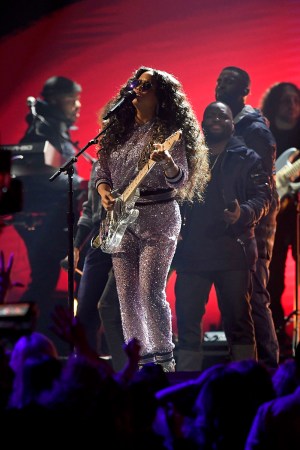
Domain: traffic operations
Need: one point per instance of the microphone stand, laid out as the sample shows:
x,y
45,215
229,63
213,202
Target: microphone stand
x,y
297,278
296,313
68,168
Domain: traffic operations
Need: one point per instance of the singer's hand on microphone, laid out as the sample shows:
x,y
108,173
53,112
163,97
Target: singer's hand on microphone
x,y
232,212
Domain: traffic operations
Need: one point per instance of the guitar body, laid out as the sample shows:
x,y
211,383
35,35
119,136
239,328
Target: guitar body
x,y
284,170
114,225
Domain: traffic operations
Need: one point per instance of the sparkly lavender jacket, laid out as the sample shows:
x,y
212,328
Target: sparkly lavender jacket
x,y
120,167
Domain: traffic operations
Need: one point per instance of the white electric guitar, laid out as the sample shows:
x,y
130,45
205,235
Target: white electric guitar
x,y
114,225
284,170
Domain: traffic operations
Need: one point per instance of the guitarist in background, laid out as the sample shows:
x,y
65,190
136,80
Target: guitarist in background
x,y
281,105
157,109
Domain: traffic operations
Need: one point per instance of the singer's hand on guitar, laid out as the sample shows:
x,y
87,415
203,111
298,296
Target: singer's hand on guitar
x,y
164,158
107,199
160,155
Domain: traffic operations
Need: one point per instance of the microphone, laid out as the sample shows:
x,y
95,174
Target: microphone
x,y
129,95
31,102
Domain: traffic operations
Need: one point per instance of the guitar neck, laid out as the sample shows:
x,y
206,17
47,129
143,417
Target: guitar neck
x,y
167,145
289,169
130,190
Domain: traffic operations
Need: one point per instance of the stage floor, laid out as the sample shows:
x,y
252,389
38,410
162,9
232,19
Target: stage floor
x,y
10,242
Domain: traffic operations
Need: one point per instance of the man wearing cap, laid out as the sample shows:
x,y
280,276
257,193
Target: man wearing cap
x,y
56,112
43,226
232,88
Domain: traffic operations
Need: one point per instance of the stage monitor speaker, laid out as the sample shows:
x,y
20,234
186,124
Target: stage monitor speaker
x,y
17,319
215,348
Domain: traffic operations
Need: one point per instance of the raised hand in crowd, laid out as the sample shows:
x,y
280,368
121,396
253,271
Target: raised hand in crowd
x,y
70,330
5,277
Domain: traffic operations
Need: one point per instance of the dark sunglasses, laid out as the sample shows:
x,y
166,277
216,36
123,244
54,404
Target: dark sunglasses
x,y
143,85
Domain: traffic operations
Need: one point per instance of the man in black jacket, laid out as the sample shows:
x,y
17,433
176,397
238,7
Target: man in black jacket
x,y
232,88
218,245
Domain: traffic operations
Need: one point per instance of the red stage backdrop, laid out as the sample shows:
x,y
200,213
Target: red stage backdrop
x,y
99,44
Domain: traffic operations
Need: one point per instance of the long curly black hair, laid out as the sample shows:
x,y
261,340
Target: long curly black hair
x,y
174,112
269,103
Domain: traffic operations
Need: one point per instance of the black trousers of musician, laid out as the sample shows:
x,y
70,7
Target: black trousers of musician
x,y
110,315
265,333
233,289
94,277
46,243
285,237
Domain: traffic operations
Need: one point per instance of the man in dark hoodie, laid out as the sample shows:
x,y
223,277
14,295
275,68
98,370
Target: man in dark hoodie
x,y
232,88
218,245
43,222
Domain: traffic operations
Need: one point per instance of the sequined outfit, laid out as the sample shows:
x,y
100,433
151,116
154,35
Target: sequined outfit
x,y
143,259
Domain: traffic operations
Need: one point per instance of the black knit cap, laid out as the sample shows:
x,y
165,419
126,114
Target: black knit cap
x,y
59,86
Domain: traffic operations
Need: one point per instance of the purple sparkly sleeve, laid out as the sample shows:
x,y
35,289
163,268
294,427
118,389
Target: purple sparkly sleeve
x,y
179,157
102,172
